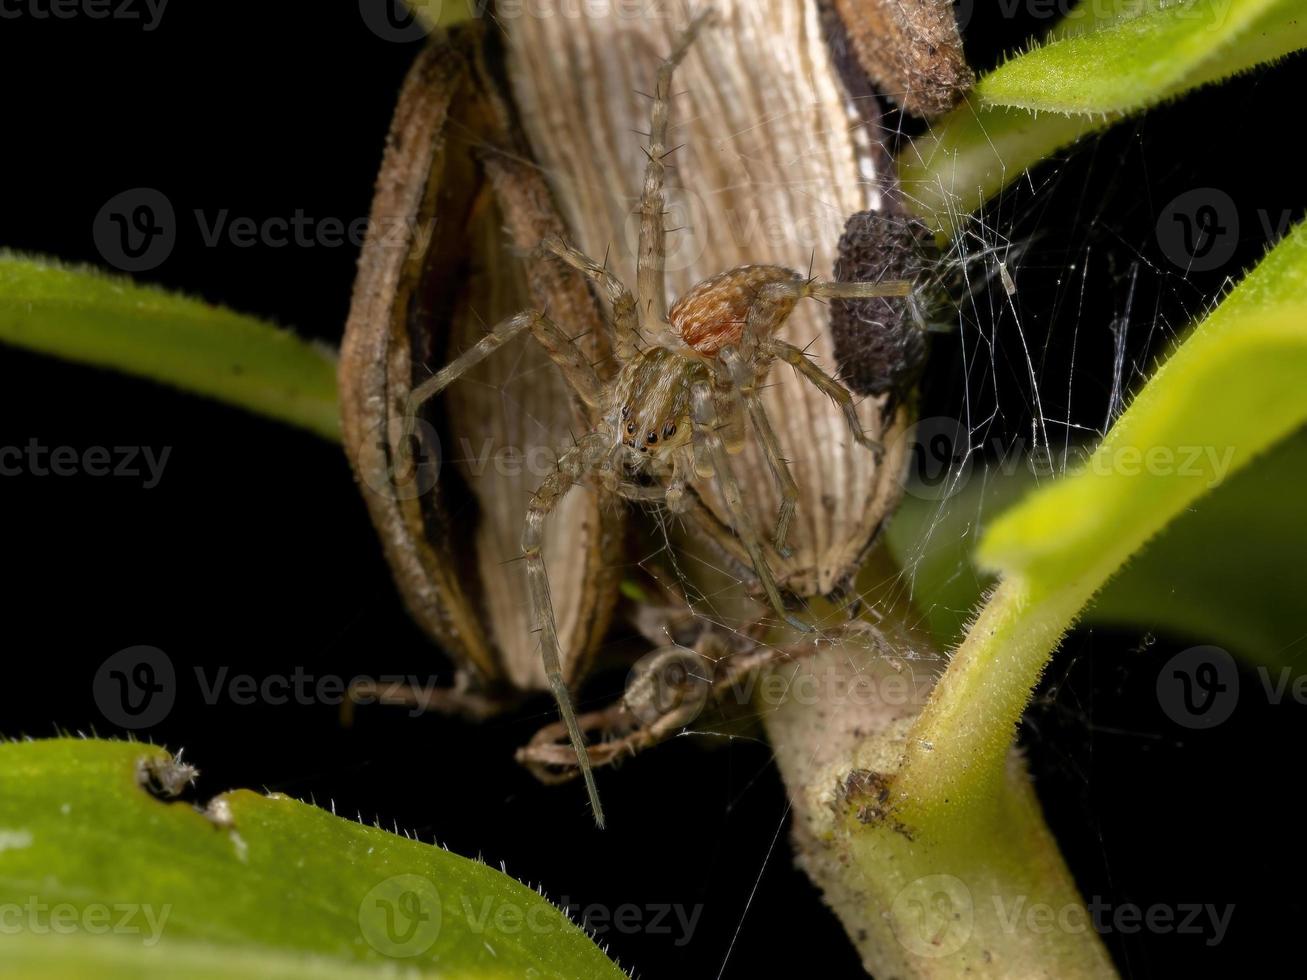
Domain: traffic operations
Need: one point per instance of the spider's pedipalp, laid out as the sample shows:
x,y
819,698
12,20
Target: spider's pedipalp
x,y
650,279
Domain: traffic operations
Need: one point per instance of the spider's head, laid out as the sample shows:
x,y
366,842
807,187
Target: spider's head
x,y
652,410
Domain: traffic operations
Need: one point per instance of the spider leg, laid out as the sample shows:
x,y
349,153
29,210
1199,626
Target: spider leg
x,y
626,322
705,434
561,349
857,290
841,395
571,465
651,285
742,383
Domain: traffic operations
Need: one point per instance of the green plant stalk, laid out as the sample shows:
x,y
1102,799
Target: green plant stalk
x,y
941,893
962,896
86,316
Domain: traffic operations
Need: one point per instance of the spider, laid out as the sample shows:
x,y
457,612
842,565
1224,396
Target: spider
x,y
674,411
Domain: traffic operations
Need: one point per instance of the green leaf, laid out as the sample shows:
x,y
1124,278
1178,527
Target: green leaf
x,y
1093,70
100,877
1135,61
1232,389
87,316
1225,572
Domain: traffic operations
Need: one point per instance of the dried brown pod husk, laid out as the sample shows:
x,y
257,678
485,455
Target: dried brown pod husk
x,y
911,50
775,154
455,219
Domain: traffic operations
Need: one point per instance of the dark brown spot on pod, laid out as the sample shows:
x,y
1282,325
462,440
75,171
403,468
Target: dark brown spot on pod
x,y
880,343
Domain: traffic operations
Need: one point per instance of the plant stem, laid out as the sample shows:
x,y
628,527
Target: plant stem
x,y
923,892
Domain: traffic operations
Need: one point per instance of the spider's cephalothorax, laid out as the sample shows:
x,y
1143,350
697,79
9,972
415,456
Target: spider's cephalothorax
x,y
650,409
675,411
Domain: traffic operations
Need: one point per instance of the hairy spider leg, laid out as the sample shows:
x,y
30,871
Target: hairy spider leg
x,y
651,286
561,349
706,422
823,382
743,384
571,465
770,309
625,325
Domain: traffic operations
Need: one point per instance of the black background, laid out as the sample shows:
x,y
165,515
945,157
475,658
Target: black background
x,y
255,553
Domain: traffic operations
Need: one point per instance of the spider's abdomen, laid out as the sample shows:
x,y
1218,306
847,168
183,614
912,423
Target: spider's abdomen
x,y
714,313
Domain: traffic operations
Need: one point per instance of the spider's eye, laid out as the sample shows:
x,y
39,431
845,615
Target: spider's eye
x,y
651,438
626,411
669,430
630,428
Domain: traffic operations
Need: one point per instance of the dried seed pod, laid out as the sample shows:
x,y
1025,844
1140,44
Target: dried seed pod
x,y
881,343
774,156
435,270
911,49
